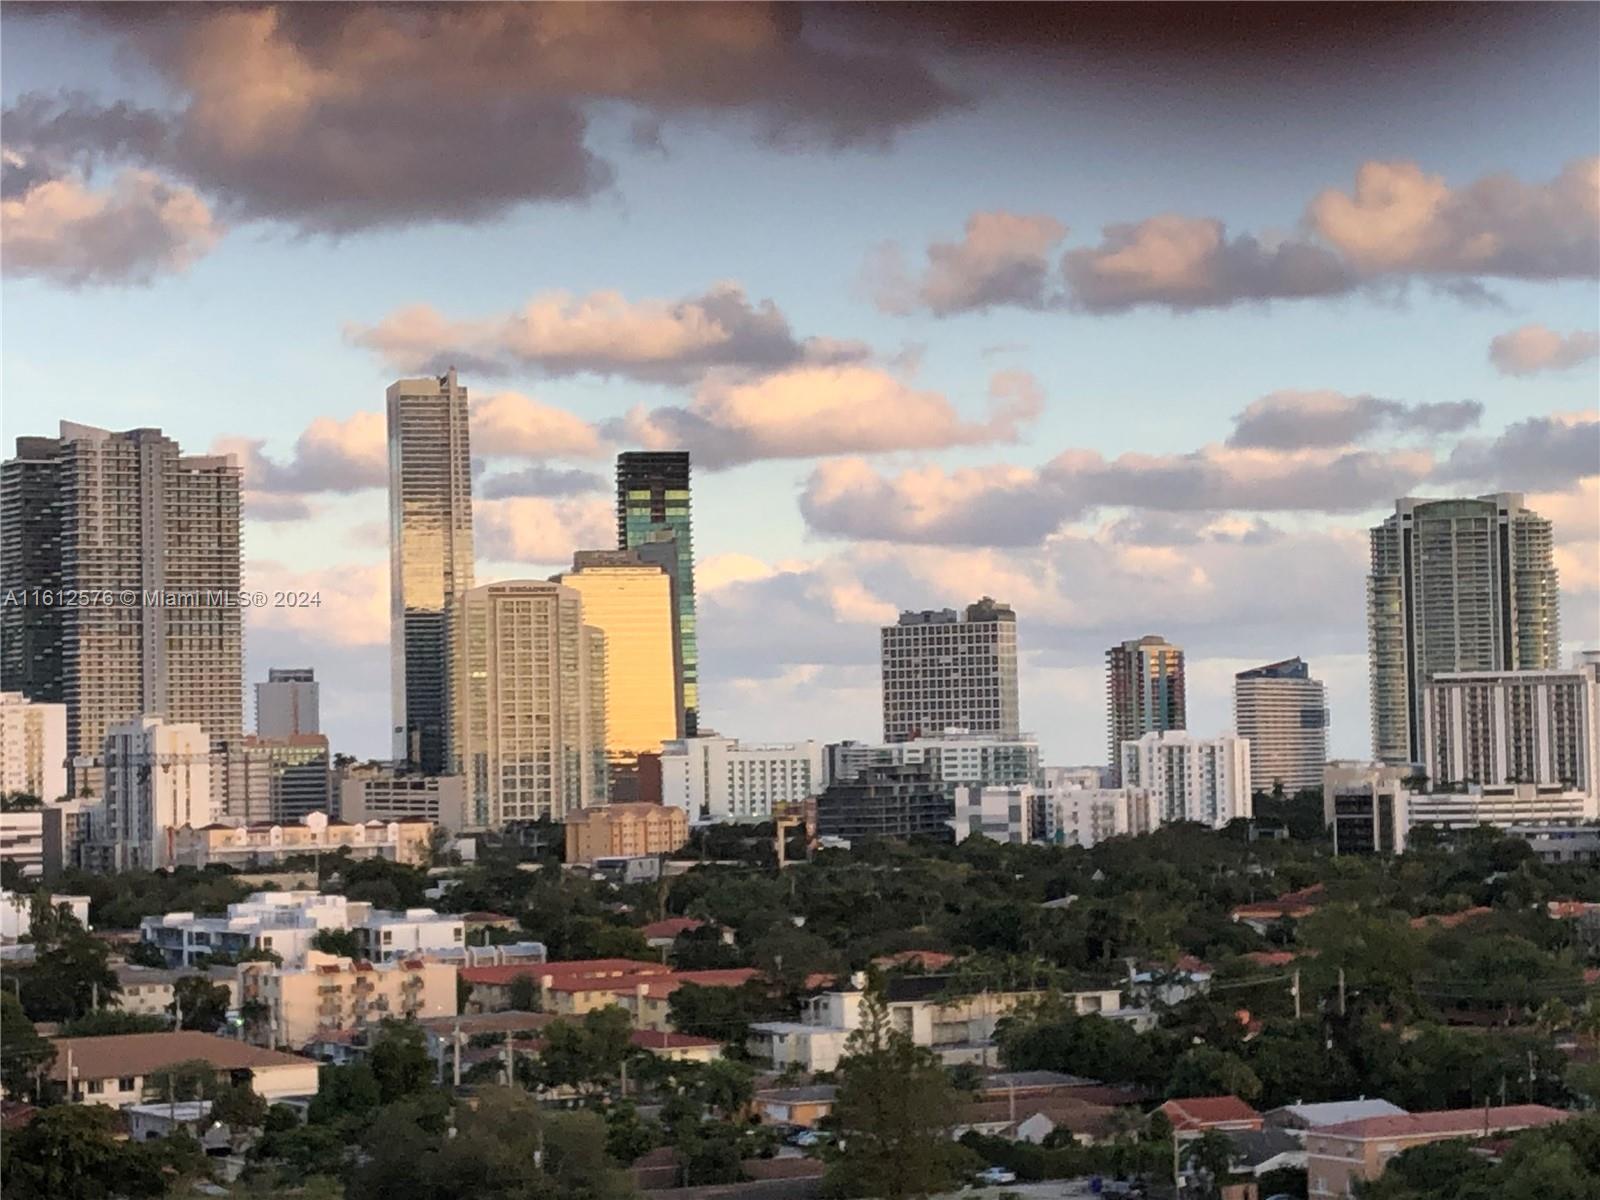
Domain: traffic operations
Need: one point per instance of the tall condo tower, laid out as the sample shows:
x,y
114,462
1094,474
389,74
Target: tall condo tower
x,y
1456,585
1144,694
430,554
941,671
152,535
1283,713
653,506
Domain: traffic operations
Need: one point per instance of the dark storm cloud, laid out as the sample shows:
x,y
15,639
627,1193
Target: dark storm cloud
x,y
1540,453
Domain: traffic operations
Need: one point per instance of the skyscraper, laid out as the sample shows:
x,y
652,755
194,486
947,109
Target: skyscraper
x,y
287,704
631,603
1456,585
653,506
527,701
153,535
1283,713
430,554
943,672
1144,694
158,777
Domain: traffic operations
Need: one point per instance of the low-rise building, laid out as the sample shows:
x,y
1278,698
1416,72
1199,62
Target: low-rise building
x,y
150,991
378,792
1034,1118
330,994
1341,1157
1195,1115
803,1106
999,813
1301,1118
121,1069
22,841
624,830
16,913
1077,815
715,778
409,841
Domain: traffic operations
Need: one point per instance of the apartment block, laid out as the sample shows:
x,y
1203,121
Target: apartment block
x,y
1283,713
1192,779
262,780
1082,816
288,704
886,802
715,778
1144,694
375,792
158,778
33,748
247,847
1001,814
332,995
941,671
624,831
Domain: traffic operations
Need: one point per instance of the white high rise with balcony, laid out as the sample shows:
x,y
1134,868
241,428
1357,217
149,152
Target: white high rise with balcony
x,y
722,779
1283,713
158,777
33,748
1192,779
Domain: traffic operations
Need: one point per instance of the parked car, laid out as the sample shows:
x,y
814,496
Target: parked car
x,y
994,1176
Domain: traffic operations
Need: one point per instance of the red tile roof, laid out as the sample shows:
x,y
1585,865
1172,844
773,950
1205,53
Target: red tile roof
x,y
584,968
1450,920
656,1039
1462,1122
670,928
1205,1112
928,960
1270,958
146,1053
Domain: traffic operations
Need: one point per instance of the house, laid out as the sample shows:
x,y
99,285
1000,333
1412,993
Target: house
x,y
1034,1118
646,997
676,1047
795,1105
1029,1084
149,991
659,935
1450,920
1258,1151
1196,1114
1290,906
117,1070
1340,1157
147,1122
443,1034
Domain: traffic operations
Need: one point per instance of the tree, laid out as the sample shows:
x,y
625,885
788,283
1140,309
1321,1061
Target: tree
x,y
1212,1154
201,1004
1206,1071
345,1095
71,974
723,1013
237,1106
523,993
24,1055
105,1022
892,1109
144,954
725,1087
343,942
400,1062
586,1054
71,1152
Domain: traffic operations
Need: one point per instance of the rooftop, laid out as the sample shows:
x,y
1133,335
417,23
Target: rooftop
x,y
147,1053
1200,1112
1462,1122
1337,1112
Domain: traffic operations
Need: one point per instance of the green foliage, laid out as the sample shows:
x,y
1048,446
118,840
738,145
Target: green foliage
x,y
23,1053
523,994
1205,1071
703,949
721,1012
71,1152
383,884
1117,1159
343,942
400,1062
107,1021
202,1004
1559,1162
121,899
585,1054
346,1095
144,954
70,975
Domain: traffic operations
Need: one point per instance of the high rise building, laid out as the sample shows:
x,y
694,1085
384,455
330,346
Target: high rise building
x,y
1192,779
721,779
943,672
653,506
1456,585
1283,713
33,748
630,602
430,554
158,777
528,702
152,535
1144,694
287,704
274,780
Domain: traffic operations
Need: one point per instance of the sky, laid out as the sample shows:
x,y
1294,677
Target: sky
x,y
1134,317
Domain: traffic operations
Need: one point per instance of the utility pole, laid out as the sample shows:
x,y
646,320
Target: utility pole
x,y
1530,1076
455,1053
1177,1172
1341,991
1294,990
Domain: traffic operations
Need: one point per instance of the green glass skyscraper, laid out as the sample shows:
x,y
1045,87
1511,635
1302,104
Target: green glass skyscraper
x,y
653,506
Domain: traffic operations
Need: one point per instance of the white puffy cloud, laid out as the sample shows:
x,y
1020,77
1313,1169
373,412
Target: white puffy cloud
x,y
349,607
1002,259
330,455
1550,451
1533,348
138,228
538,529
511,425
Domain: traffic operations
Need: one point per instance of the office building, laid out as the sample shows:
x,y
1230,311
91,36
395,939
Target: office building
x,y
1464,585
274,780
1283,713
1144,694
129,517
528,702
430,555
653,507
1367,806
944,672
378,792
33,748
1192,779
624,831
287,704
1492,728
331,995
630,602
886,802
158,777
715,778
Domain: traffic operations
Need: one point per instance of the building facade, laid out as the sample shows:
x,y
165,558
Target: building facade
x,y
528,701
1001,814
129,517
274,780
886,802
1465,585
715,778
430,555
653,507
943,672
1075,815
624,830
330,995
158,778
1283,713
1192,779
33,748
288,704
374,792
1367,806
1144,694
409,842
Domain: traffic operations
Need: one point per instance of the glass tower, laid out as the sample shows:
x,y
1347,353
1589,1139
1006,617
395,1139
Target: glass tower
x,y
1144,694
653,506
430,554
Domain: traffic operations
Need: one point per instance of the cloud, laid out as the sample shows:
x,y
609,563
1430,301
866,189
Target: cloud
x,y
994,505
602,333
329,456
538,529
1548,451
1401,220
540,480
351,605
343,117
136,229
815,411
1397,224
1003,259
511,425
1292,420
1535,348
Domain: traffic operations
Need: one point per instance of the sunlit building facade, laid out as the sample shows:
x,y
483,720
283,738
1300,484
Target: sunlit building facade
x,y
653,506
945,671
430,554
528,702
1283,713
1144,694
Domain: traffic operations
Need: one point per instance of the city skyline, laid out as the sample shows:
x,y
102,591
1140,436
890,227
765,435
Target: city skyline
x,y
1159,366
